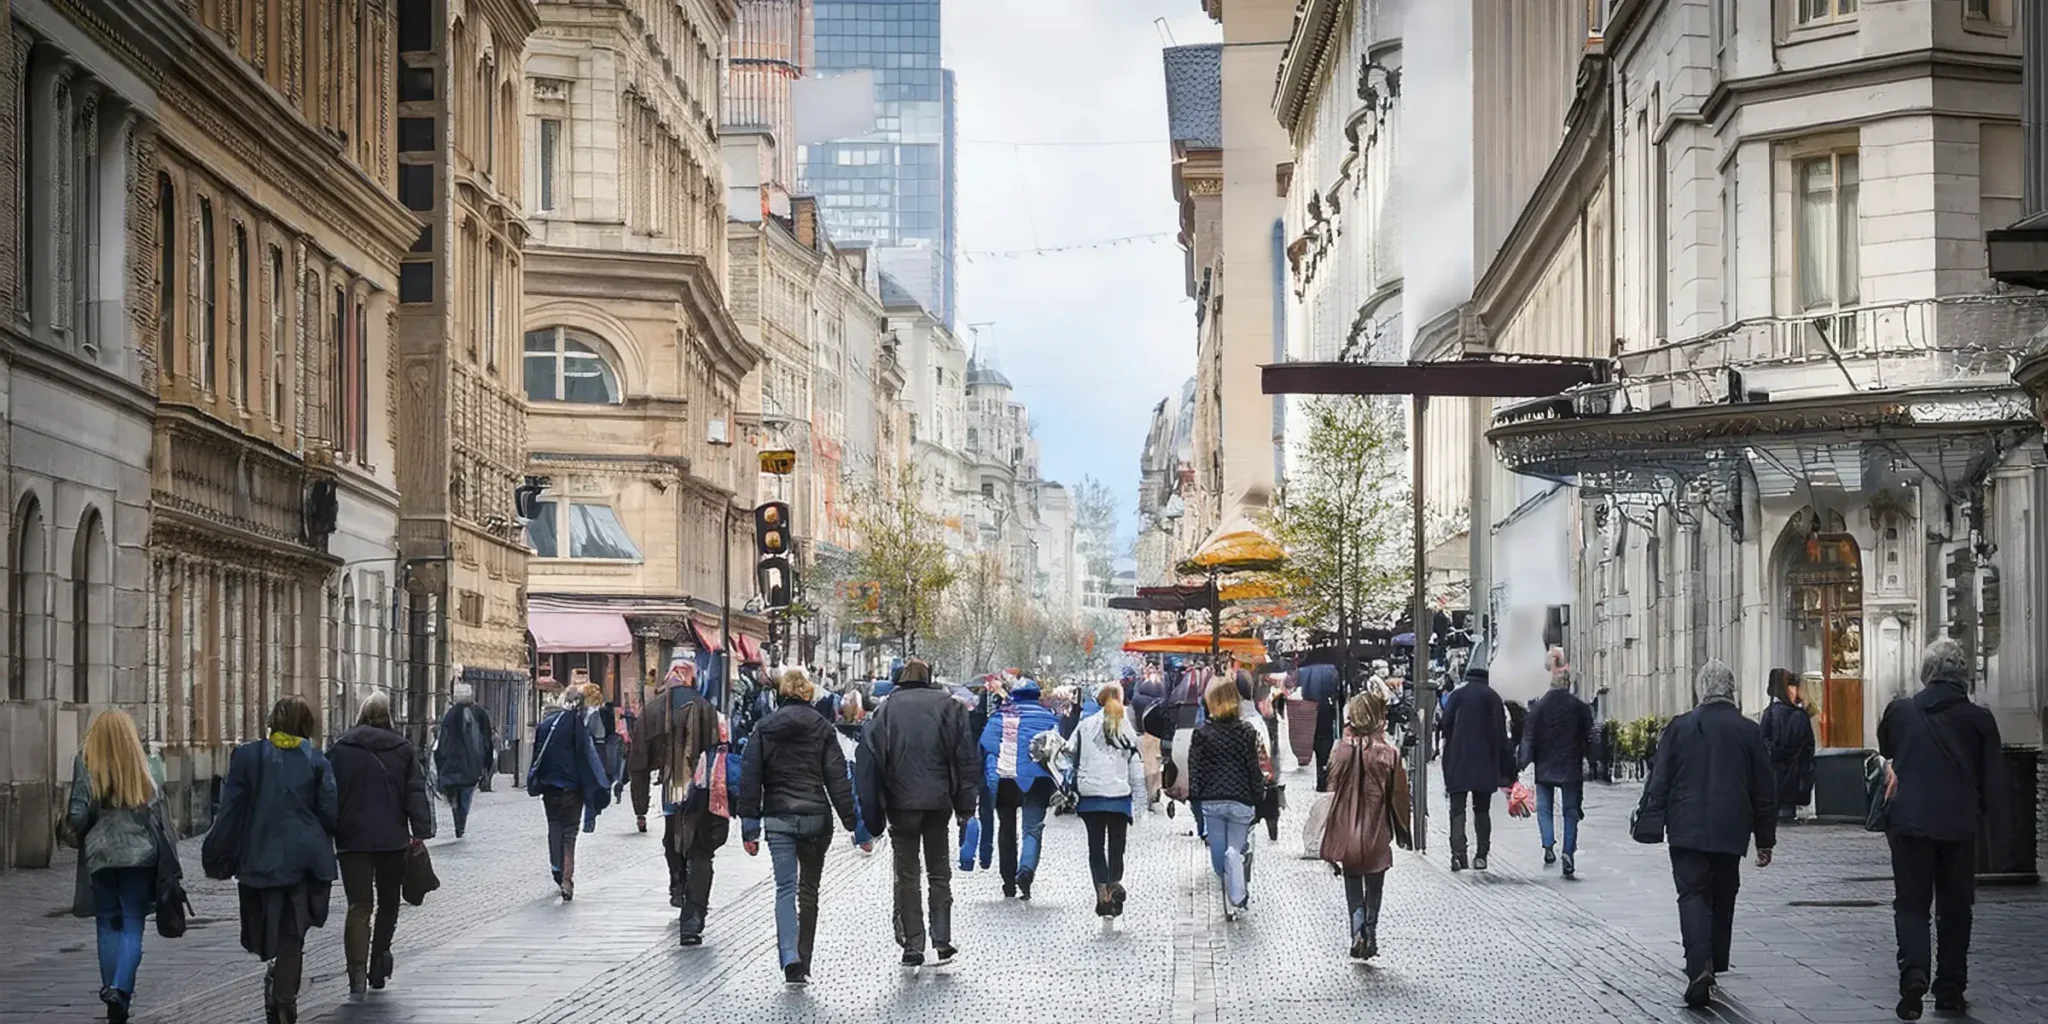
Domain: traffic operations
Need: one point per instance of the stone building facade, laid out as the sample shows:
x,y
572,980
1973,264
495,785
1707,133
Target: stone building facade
x,y
632,365
479,148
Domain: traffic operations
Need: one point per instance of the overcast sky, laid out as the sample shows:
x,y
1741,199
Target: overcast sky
x,y
1093,338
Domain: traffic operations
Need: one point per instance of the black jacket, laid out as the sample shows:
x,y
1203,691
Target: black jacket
x,y
463,746
793,766
1477,755
1788,740
1712,784
1944,796
381,791
1223,763
917,755
1556,736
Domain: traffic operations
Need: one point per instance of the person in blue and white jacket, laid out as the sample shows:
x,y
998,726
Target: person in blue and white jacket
x,y
1019,782
1109,778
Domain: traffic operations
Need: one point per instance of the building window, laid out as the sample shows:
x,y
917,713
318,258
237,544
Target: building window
x,y
595,532
24,597
550,146
1826,232
1823,12
361,384
209,298
2001,163
491,308
490,153
279,344
1978,10
88,602
166,274
243,355
564,366
339,400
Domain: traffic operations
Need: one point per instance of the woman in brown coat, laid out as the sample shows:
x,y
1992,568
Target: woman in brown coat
x,y
1368,814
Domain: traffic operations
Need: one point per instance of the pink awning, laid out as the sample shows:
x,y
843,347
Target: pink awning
x,y
579,633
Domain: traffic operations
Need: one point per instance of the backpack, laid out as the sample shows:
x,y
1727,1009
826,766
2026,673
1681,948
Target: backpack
x,y
1045,749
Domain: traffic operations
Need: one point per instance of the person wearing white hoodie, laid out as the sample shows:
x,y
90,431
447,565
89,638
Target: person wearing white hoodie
x,y
1109,779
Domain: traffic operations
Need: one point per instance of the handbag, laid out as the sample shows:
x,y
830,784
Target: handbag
x,y
220,855
172,904
419,874
1878,816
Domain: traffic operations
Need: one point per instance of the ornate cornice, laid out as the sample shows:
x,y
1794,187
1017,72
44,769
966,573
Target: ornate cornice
x,y
1302,65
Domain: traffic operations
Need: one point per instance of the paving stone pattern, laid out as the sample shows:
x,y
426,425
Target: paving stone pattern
x,y
1514,944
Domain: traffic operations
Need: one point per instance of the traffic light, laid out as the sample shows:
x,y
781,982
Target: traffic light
x,y
777,580
771,529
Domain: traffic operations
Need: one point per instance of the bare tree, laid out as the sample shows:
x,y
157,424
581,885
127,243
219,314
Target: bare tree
x,y
902,554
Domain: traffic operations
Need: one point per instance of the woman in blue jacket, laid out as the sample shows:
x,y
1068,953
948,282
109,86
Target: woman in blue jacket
x,y
1019,782
569,778
286,864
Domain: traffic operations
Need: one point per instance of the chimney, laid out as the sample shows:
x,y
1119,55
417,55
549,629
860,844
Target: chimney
x,y
803,211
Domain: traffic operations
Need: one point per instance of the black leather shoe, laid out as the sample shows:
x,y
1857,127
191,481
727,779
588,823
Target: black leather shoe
x,y
1951,1004
1700,991
1912,995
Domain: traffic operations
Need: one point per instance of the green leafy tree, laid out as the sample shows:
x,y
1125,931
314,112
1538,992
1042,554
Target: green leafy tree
x,y
902,552
1343,516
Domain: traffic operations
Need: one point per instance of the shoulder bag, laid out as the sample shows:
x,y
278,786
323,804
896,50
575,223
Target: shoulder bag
x,y
220,856
1878,816
172,904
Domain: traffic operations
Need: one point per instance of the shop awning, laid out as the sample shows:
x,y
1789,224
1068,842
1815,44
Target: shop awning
x,y
709,638
749,649
579,633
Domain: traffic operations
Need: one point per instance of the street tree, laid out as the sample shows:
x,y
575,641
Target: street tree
x,y
900,550
1095,526
971,620
1342,515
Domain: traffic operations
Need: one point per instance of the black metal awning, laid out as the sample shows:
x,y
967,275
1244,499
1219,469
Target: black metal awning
x,y
1192,597
1450,378
2019,254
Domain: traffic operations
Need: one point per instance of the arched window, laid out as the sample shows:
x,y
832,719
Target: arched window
x,y
25,609
209,298
167,275
564,365
88,604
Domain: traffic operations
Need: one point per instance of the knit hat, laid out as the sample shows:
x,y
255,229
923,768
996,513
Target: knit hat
x,y
1026,689
1945,662
1476,675
1716,681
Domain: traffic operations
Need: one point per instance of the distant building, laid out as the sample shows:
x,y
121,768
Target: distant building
x,y
893,189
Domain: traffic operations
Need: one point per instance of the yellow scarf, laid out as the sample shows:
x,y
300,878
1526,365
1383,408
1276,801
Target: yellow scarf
x,y
284,742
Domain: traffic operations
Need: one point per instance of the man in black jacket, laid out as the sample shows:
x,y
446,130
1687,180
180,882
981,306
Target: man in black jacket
x,y
919,772
1554,739
1947,782
1711,791
1477,760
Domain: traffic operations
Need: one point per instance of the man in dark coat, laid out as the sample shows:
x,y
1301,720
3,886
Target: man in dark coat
x,y
1477,760
1322,688
1709,793
1555,739
463,749
919,772
673,732
382,806
1948,782
1788,739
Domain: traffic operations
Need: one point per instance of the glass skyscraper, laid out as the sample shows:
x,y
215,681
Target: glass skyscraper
x,y
892,189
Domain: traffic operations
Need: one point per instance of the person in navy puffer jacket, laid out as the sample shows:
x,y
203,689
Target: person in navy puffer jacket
x,y
1018,782
568,776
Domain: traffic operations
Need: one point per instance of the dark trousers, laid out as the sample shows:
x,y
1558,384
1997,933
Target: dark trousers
x,y
372,883
1941,876
688,841
1106,844
1362,893
929,833
1326,740
1707,884
986,811
287,972
565,816
1482,821
1009,800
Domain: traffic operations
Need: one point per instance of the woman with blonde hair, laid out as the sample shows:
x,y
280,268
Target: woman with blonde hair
x,y
793,781
116,811
1109,778
1225,776
1368,814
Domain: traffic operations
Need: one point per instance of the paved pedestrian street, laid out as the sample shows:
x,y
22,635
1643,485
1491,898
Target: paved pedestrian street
x,y
1514,944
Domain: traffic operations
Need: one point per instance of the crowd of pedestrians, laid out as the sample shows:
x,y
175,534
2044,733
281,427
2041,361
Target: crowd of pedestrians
x,y
969,775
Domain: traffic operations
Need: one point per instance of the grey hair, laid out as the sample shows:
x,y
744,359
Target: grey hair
x,y
464,693
1716,681
376,710
1945,662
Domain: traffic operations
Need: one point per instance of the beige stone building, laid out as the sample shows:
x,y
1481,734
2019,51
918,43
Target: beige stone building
x,y
633,367
479,148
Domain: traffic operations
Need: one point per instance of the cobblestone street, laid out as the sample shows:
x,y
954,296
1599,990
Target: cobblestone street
x,y
1515,944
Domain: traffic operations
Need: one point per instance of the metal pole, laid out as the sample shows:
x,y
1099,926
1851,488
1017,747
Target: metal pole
x,y
725,606
1425,691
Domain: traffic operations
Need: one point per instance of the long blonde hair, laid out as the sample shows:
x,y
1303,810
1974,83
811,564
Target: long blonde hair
x,y
115,762
1111,697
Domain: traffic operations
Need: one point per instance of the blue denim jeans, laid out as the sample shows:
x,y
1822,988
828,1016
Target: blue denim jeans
x,y
1030,804
459,798
120,902
796,846
1574,793
1230,832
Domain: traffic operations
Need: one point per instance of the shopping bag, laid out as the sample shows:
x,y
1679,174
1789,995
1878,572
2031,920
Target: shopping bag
x,y
1312,831
1521,800
419,877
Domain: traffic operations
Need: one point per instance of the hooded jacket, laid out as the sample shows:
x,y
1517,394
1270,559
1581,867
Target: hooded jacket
x,y
1555,737
917,755
381,791
1106,765
1945,796
1006,740
793,767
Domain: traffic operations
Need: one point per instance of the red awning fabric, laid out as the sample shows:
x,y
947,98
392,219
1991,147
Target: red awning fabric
x,y
579,633
708,637
750,650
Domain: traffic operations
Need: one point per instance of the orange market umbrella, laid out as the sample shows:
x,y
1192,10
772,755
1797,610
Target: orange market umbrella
x,y
1236,546
1245,647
